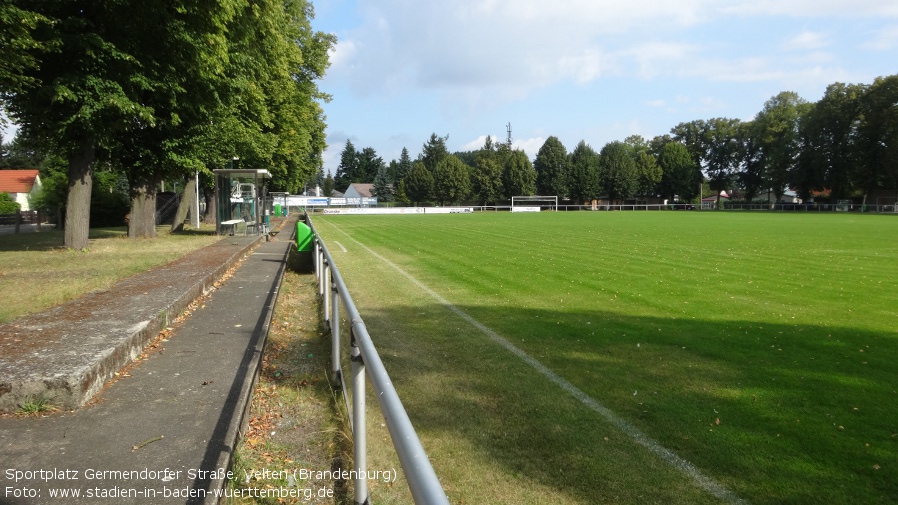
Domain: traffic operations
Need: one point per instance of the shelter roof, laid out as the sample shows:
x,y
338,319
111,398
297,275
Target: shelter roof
x,y
235,173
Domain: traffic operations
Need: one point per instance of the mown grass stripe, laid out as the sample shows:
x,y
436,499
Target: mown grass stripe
x,y
703,481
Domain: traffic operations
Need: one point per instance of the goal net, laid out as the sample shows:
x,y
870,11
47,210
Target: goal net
x,y
533,203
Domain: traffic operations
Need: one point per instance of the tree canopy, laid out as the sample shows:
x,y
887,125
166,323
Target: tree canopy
x,y
617,171
584,183
157,90
551,165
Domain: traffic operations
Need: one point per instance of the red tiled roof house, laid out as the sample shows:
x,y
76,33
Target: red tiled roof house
x,y
22,185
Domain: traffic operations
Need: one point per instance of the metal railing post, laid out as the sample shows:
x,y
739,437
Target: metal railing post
x,y
359,442
327,299
322,276
317,258
336,370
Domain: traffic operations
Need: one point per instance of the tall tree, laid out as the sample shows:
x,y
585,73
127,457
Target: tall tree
x,y
680,171
692,135
368,166
419,183
878,138
648,172
80,92
551,165
777,126
617,171
518,174
751,174
327,187
829,150
404,166
451,180
383,185
433,151
486,176
182,54
347,168
722,153
584,184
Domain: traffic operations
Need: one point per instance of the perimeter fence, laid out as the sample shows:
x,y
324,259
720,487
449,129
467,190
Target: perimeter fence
x,y
727,206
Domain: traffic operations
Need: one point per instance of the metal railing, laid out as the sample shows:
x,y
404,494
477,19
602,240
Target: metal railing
x,y
422,480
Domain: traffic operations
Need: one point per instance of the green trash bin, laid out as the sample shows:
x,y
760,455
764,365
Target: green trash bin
x,y
305,245
304,237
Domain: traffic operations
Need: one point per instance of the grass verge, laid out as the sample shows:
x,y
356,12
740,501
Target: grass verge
x,y
43,274
296,427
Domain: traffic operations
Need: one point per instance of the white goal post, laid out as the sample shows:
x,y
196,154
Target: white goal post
x,y
524,203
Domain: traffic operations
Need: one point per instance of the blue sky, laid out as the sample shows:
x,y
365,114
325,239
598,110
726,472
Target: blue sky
x,y
588,70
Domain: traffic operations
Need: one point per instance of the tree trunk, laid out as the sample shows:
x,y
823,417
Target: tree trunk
x,y
143,207
211,206
187,203
77,209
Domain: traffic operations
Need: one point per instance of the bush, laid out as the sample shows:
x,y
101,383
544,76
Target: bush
x,y
7,204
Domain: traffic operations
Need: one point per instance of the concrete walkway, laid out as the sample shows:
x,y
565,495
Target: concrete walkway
x,y
163,431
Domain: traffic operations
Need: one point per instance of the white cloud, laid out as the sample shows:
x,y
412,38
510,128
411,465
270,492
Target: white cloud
x,y
342,55
885,39
653,59
807,8
530,146
806,40
477,143
471,43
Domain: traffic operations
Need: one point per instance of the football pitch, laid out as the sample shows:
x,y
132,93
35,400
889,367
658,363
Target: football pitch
x,y
635,357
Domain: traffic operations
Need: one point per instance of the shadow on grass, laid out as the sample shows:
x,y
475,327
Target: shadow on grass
x,y
774,412
32,241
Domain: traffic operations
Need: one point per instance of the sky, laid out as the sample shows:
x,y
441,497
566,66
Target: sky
x,y
589,70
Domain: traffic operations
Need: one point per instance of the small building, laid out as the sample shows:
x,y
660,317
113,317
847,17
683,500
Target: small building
x,y
359,195
359,190
710,202
22,185
789,196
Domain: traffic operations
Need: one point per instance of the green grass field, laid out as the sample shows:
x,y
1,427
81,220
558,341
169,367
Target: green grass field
x,y
761,348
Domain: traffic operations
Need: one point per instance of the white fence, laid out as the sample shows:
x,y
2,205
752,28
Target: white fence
x,y
778,207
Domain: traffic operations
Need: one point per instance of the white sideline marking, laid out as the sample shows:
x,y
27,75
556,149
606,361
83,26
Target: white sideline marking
x,y
341,246
703,481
